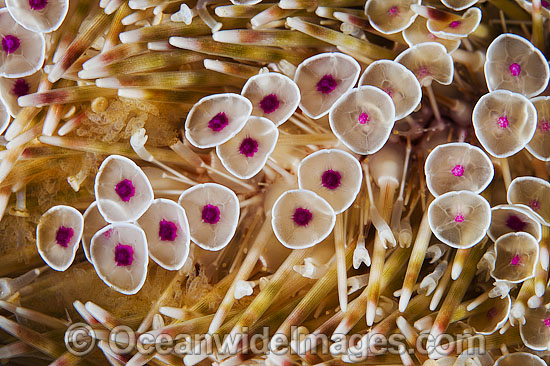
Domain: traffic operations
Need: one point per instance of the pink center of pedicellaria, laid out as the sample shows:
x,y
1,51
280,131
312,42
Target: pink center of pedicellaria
x,y
20,88
38,4
455,23
515,261
458,170
327,84
302,216
63,236
10,43
515,69
218,122
108,233
124,255
269,104
389,91
547,322
393,11
515,223
167,230
363,118
545,3
503,122
125,190
544,126
459,218
491,313
423,72
535,205
210,214
248,147
331,179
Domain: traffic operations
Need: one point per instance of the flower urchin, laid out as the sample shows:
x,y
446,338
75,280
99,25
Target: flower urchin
x,y
311,173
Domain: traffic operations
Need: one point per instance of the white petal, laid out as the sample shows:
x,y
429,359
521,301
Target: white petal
x,y
93,222
299,236
341,68
344,165
258,130
217,234
118,171
285,90
57,236
126,279
200,129
168,252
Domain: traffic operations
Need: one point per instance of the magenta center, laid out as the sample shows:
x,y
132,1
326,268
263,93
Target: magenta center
x,y
389,91
547,322
491,313
393,11
269,104
210,214
125,190
515,261
363,118
20,88
64,235
535,205
10,43
38,4
124,255
503,122
515,223
514,69
545,3
455,23
331,179
108,233
218,122
167,230
544,126
302,216
459,218
248,147
423,72
327,84
458,170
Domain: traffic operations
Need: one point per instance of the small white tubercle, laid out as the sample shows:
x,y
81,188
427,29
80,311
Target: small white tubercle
x,y
243,288
311,268
8,286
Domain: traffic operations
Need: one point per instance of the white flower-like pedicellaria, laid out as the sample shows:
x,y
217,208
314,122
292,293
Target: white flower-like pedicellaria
x,y
213,213
167,231
123,192
22,52
301,219
323,79
273,96
247,152
119,255
58,235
